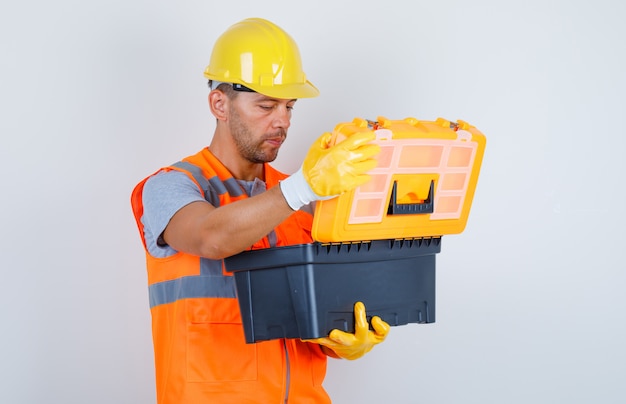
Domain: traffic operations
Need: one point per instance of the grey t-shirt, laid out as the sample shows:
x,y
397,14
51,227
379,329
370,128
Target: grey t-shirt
x,y
164,194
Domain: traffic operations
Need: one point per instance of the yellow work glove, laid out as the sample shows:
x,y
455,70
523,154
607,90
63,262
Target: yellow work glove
x,y
353,346
330,170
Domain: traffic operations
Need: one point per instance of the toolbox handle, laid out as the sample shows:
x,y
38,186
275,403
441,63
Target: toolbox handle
x,y
395,208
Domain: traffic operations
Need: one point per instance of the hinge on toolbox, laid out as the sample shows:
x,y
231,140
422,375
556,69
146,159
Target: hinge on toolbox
x,y
373,125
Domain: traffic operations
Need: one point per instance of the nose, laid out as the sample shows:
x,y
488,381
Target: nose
x,y
282,117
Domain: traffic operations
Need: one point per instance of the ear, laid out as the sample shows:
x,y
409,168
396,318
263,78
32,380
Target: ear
x,y
218,102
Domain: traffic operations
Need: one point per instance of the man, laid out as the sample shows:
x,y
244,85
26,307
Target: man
x,y
226,199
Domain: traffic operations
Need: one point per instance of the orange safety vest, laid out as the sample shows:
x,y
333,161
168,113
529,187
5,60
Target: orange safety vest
x,y
200,351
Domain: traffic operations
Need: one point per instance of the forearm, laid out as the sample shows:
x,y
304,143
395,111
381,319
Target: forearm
x,y
216,233
236,226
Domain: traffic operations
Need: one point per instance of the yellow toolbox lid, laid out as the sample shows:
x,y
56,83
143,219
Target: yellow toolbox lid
x,y
423,185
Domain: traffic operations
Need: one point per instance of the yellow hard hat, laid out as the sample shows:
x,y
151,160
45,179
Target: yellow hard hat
x,y
260,55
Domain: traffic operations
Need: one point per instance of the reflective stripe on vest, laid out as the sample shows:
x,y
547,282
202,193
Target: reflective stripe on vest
x,y
213,186
191,287
210,283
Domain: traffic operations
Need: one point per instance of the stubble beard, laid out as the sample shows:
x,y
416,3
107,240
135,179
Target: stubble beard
x,y
248,148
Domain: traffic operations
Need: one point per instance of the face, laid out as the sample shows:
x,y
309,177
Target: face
x,y
258,125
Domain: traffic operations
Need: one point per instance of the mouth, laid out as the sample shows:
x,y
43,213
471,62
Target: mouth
x,y
275,141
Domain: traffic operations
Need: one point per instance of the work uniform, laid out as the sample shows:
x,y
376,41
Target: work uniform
x,y
200,351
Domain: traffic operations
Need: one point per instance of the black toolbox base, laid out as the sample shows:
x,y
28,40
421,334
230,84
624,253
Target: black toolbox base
x,y
305,291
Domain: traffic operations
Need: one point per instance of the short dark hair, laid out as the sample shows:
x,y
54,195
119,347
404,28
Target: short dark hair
x,y
227,89
230,89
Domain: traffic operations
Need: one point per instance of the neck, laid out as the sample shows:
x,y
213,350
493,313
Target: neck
x,y
239,167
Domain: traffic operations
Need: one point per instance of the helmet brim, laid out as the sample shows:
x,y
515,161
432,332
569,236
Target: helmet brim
x,y
284,91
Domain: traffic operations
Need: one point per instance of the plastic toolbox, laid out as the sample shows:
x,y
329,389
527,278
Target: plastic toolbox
x,y
305,291
423,185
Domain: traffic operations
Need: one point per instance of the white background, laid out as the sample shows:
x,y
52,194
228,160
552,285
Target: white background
x,y
95,95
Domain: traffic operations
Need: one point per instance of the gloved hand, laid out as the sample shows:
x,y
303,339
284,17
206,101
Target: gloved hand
x,y
328,171
353,346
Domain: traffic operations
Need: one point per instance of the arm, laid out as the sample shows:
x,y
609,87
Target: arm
x,y
201,229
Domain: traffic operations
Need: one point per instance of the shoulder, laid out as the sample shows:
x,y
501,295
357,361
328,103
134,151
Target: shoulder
x,y
164,194
167,191
166,181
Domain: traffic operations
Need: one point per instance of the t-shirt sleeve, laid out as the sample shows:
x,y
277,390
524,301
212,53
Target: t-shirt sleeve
x,y
164,194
